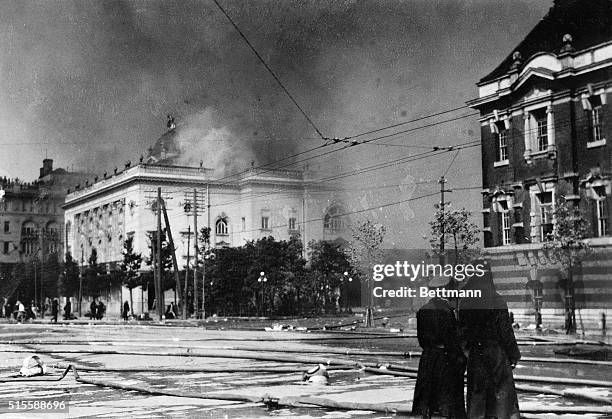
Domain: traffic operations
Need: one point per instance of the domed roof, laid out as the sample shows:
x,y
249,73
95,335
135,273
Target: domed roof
x,y
165,149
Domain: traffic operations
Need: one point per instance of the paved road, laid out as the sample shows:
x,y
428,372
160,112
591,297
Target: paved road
x,y
351,385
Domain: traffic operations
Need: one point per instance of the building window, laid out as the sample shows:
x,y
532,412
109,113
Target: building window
x,y
7,226
502,145
505,223
602,218
6,247
546,214
596,116
333,219
541,131
29,247
221,227
292,223
265,223
243,223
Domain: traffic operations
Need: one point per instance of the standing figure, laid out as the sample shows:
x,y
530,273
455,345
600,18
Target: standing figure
x,y
20,314
54,310
100,310
67,310
126,310
493,352
439,387
93,308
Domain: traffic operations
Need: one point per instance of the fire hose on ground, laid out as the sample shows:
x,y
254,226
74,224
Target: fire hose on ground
x,y
305,401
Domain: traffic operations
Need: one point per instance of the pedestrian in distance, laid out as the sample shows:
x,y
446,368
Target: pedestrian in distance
x,y
439,388
100,310
93,309
492,351
67,310
54,310
20,311
126,310
169,314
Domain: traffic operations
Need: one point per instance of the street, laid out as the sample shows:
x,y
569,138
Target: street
x,y
202,361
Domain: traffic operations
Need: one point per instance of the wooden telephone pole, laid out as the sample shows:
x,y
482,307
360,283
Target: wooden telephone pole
x,y
158,285
195,256
177,282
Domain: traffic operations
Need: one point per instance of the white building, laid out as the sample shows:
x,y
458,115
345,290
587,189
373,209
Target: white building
x,y
257,203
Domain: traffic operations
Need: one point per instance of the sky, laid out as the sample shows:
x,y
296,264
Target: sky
x,y
89,84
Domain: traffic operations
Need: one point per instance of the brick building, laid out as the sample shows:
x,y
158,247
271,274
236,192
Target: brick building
x,y
546,134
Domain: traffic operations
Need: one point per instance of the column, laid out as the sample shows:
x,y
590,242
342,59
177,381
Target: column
x,y
550,125
527,133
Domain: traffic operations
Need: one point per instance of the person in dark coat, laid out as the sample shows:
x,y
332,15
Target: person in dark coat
x,y
54,310
67,310
126,310
493,352
439,387
100,310
93,310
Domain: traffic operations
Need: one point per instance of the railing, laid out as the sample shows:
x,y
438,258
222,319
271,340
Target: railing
x,y
294,174
142,170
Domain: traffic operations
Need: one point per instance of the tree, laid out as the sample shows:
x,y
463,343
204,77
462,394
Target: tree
x,y
567,245
69,281
328,262
93,275
458,230
364,252
130,268
50,272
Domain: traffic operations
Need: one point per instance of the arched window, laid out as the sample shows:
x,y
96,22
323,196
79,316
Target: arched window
x,y
333,219
29,238
52,238
221,228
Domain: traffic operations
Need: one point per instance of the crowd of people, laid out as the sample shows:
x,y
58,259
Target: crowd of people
x,y
473,334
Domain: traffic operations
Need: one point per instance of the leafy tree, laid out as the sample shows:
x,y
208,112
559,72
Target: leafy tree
x,y
69,281
328,262
364,252
130,268
567,244
50,272
92,282
458,230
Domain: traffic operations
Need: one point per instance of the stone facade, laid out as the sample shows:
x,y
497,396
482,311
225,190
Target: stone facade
x,y
257,203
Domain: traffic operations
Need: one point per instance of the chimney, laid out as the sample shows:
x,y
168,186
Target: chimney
x,y
46,168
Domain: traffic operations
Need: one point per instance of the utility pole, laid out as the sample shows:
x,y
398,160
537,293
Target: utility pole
x,y
81,280
195,255
158,290
35,281
186,273
177,281
206,248
442,181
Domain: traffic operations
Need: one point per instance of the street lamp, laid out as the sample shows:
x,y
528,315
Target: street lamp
x,y
346,280
262,283
208,256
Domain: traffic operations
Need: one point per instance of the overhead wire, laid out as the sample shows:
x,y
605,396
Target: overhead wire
x,y
272,73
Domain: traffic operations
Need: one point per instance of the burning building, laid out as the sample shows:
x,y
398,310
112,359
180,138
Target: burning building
x,y
252,204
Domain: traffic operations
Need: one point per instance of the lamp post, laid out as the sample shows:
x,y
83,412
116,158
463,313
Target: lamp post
x,y
538,306
262,284
346,280
34,260
208,256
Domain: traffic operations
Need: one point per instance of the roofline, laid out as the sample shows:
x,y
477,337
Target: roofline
x,y
484,80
